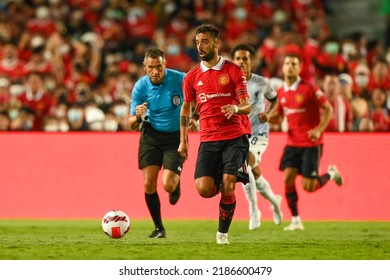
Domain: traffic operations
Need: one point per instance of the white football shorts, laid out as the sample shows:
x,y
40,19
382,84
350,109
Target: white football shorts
x,y
258,145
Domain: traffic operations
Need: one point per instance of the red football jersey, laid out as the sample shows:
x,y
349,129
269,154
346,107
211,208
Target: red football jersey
x,y
301,105
212,88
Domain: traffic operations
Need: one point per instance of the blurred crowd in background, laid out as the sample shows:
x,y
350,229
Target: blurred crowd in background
x,y
70,65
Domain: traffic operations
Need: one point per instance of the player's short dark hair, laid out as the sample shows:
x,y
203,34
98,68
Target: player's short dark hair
x,y
208,28
294,55
154,53
243,47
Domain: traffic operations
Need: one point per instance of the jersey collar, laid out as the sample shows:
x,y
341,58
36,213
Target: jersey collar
x,y
293,87
217,66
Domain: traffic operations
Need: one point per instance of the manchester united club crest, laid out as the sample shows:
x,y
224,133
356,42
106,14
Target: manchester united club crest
x,y
223,80
299,98
176,100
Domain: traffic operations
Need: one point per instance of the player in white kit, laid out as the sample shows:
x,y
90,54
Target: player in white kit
x,y
259,90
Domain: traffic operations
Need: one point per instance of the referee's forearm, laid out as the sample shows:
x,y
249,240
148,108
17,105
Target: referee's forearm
x,y
134,122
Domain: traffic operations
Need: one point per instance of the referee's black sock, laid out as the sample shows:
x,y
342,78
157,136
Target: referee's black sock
x,y
154,206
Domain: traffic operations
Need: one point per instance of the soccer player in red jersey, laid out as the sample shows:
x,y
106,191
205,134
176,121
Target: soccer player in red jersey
x,y
218,87
301,102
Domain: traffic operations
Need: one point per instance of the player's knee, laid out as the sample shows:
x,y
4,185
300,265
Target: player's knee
x,y
309,186
204,190
205,193
169,186
150,188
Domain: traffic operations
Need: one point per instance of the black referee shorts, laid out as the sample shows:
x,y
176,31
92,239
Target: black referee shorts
x,y
159,148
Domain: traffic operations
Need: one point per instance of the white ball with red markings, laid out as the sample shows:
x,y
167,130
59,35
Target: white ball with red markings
x,y
116,224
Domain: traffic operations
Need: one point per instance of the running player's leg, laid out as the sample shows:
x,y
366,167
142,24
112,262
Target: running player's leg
x,y
258,148
311,181
208,172
234,155
150,161
173,166
290,163
251,196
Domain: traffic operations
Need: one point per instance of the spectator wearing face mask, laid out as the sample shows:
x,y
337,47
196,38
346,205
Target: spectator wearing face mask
x,y
121,111
76,118
176,58
350,52
240,18
95,118
361,78
329,59
110,123
24,121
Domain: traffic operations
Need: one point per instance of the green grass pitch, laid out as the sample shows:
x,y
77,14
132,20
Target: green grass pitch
x,y
193,240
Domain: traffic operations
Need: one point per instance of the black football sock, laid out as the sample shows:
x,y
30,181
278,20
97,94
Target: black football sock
x,y
227,205
322,180
154,206
292,201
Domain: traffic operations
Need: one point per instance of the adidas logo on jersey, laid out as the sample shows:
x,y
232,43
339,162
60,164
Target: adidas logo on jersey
x,y
200,84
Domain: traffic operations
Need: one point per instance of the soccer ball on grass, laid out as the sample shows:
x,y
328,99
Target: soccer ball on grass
x,y
116,224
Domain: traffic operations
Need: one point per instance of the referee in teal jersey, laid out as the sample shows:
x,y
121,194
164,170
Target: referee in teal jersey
x,y
155,110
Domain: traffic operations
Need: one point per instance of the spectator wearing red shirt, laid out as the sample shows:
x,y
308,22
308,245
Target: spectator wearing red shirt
x,y
36,61
291,43
268,49
85,64
10,65
179,26
141,22
329,59
239,21
350,52
263,15
110,28
176,58
380,75
311,48
208,11
301,102
37,99
308,13
378,111
42,23
341,119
